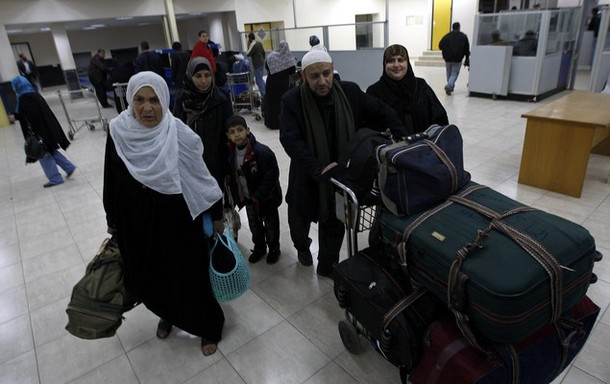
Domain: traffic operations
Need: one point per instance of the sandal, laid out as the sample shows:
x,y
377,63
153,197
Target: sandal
x,y
163,329
208,347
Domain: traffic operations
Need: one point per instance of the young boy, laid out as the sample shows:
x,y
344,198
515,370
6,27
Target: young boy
x,y
254,182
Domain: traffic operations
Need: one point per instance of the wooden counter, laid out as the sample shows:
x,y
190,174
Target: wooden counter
x,y
559,137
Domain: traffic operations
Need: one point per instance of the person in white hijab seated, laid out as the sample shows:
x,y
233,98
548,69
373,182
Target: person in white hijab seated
x,y
156,192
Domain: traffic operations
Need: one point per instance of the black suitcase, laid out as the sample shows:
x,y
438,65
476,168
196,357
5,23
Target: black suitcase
x,y
505,269
388,309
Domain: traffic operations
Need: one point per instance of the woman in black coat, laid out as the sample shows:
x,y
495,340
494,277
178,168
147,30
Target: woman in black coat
x,y
411,97
280,64
205,108
33,112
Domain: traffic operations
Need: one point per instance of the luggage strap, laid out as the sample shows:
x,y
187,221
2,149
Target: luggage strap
x,y
401,306
536,250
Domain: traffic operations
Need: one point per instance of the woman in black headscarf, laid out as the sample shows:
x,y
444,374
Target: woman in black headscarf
x,y
411,97
205,108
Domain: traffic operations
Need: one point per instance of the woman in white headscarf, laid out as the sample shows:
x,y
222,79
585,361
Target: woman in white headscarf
x,y
280,64
156,189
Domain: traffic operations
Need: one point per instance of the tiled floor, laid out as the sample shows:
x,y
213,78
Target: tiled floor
x,y
282,331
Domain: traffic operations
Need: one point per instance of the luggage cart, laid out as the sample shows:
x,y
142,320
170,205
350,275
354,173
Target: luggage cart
x,y
120,91
357,219
88,113
242,94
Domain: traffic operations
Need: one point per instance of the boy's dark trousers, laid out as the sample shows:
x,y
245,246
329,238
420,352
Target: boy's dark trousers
x,y
265,227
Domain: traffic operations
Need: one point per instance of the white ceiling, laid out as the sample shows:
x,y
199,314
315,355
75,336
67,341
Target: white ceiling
x,y
84,25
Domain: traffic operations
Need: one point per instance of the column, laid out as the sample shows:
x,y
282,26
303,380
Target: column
x,y
66,60
8,70
171,22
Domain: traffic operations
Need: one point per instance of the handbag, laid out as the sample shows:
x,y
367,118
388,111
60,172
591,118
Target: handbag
x,y
422,170
34,146
229,272
99,299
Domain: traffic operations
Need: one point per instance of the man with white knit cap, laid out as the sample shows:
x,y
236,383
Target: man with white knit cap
x,y
316,121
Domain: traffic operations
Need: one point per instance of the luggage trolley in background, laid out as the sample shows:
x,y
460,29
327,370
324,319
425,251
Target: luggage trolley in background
x,y
88,113
242,94
120,90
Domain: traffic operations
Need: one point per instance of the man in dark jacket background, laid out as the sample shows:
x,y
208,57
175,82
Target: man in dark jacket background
x,y
316,121
148,60
455,47
98,76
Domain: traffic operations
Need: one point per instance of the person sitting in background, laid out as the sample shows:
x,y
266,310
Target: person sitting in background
x,y
527,45
34,113
496,38
280,64
156,191
411,97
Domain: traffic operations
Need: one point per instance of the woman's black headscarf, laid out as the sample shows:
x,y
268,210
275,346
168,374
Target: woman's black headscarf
x,y
195,101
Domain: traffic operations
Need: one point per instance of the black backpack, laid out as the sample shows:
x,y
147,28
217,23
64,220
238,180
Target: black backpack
x,y
99,299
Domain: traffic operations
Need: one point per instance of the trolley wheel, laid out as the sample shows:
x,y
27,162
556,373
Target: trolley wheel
x,y
91,127
71,135
105,126
258,117
349,337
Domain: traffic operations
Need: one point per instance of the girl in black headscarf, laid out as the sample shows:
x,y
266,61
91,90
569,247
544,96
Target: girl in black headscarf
x,y
411,97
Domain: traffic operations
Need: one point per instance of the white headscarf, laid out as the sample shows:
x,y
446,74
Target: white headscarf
x,y
166,158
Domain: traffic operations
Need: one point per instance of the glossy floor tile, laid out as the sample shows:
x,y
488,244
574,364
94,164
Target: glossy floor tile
x,y
284,330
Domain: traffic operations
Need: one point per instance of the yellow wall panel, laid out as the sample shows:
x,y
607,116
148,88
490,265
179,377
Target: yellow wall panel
x,y
441,20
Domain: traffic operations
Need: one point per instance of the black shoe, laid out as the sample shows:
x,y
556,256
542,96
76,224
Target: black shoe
x,y
49,184
447,91
324,272
71,172
256,256
273,256
305,258
163,329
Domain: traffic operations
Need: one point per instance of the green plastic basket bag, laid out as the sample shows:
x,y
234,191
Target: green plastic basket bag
x,y
229,272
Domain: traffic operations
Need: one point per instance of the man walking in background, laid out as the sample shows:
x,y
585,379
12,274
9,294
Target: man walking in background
x,y
27,69
455,47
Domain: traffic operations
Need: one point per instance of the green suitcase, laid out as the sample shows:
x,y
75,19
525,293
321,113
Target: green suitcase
x,y
503,268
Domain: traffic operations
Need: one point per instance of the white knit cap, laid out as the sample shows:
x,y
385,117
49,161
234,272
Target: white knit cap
x,y
317,54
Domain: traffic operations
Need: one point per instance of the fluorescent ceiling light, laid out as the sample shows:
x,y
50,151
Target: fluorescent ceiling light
x,y
45,29
125,18
14,30
98,25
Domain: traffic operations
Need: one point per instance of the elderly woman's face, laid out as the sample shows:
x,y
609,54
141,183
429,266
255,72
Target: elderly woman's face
x,y
202,80
396,67
147,107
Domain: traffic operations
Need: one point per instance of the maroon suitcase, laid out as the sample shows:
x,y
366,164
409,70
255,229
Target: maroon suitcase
x,y
538,359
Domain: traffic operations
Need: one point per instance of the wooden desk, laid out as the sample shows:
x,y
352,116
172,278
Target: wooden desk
x,y
559,137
